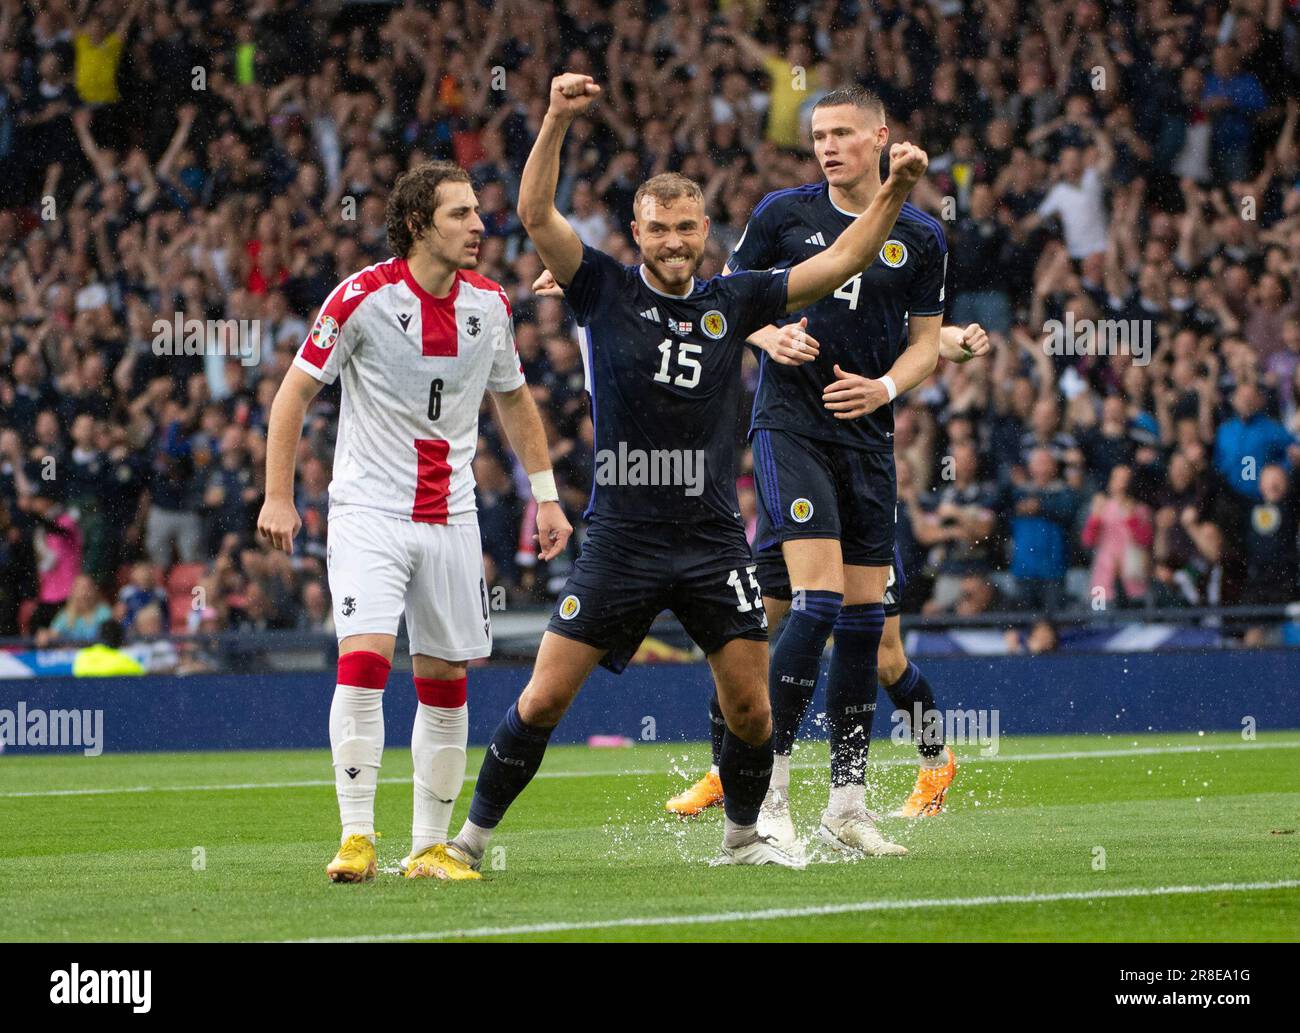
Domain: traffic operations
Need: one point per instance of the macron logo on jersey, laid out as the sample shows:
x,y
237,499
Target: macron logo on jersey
x,y
651,314
816,238
352,290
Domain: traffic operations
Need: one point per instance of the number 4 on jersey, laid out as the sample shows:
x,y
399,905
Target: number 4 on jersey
x,y
849,290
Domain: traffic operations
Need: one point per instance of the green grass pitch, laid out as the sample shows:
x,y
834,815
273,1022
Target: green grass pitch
x,y
1183,837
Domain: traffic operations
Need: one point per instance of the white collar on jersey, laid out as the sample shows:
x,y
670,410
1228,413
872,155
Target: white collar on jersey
x,y
842,211
665,294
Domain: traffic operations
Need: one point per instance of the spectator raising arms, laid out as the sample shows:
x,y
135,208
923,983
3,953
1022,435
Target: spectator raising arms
x,y
1105,165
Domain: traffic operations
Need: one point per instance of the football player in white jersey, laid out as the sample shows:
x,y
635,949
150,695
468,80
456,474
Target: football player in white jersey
x,y
417,340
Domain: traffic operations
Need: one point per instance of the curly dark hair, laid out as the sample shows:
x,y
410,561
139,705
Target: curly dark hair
x,y
413,199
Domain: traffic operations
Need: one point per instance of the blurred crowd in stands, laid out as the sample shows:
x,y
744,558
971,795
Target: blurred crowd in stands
x,y
220,160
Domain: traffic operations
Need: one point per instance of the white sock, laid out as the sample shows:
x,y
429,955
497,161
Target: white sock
x,y
849,799
357,743
438,753
713,769
473,839
780,773
734,835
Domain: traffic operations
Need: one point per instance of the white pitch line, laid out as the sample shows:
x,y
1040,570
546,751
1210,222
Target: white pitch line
x,y
856,907
974,760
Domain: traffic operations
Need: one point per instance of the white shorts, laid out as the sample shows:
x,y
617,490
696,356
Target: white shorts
x,y
380,566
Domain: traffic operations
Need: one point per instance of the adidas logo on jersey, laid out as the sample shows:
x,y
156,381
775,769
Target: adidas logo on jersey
x,y
651,314
817,239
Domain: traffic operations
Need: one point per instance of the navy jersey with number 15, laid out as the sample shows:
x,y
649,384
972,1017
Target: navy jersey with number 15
x,y
861,326
663,373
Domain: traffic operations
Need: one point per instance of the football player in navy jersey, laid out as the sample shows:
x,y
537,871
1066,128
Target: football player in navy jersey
x,y
822,441
663,354
902,680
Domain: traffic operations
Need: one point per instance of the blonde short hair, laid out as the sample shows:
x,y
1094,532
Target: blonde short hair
x,y
666,188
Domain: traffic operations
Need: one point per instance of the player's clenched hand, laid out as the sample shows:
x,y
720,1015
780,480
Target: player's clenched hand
x,y
572,94
793,345
851,396
908,163
546,287
278,523
974,342
553,530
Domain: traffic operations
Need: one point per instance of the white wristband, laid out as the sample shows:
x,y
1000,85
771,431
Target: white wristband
x,y
543,483
890,386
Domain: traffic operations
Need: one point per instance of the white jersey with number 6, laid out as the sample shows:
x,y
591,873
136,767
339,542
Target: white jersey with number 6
x,y
414,370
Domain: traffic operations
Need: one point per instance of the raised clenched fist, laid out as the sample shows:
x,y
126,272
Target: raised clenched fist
x,y
572,94
907,163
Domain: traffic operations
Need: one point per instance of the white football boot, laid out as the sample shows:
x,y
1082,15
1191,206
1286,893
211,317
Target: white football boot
x,y
774,822
759,850
856,835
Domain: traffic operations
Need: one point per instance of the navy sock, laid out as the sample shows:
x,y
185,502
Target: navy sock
x,y
796,662
745,771
512,759
905,694
851,690
717,726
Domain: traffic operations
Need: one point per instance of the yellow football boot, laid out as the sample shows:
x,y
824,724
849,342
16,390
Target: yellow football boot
x,y
706,793
930,789
355,861
440,861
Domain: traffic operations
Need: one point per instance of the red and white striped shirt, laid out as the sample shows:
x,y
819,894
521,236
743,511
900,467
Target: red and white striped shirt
x,y
414,370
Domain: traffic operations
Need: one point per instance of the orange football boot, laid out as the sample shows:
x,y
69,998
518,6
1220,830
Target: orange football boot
x,y
930,789
706,793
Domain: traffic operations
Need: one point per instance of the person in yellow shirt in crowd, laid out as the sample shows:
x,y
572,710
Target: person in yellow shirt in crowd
x,y
98,54
793,79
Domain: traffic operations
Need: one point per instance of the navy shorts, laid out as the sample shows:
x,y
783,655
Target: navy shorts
x,y
775,579
812,489
630,572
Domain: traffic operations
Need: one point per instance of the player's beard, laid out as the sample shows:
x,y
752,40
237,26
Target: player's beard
x,y
675,278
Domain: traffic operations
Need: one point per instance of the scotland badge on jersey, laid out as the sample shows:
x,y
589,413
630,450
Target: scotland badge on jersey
x,y
894,253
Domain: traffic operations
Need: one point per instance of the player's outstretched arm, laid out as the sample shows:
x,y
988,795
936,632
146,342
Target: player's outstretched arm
x,y
962,343
857,247
789,345
554,238
278,522
517,415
